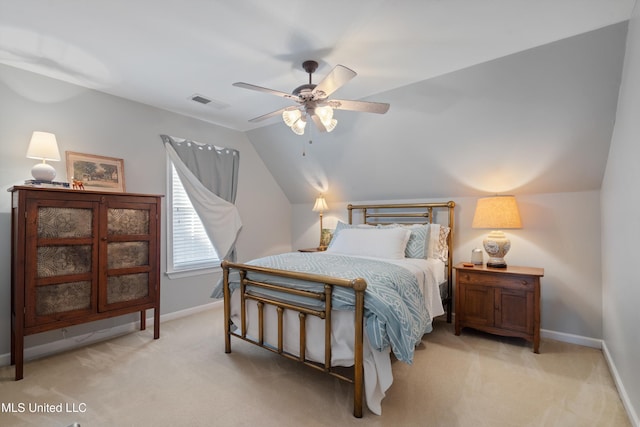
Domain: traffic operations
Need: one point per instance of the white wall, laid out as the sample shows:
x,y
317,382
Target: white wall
x,y
561,233
87,121
621,232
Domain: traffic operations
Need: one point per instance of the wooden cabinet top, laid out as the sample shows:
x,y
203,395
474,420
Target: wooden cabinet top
x,y
69,190
529,271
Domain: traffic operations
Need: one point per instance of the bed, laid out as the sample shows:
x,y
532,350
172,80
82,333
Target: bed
x,y
375,291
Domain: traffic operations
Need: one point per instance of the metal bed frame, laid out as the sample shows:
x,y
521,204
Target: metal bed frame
x,y
405,213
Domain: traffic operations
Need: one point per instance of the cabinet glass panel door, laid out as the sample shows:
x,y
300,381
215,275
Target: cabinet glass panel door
x,y
62,256
128,254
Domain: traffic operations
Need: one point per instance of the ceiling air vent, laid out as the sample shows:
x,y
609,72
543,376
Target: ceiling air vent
x,y
200,99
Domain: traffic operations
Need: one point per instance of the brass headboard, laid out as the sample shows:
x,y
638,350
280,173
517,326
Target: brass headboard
x,y
414,213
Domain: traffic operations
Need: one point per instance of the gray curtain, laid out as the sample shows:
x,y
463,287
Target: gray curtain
x,y
209,175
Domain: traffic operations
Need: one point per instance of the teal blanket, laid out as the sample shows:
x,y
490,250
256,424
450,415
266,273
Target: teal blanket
x,y
395,312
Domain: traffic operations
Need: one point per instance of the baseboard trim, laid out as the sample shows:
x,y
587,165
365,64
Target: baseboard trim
x,y
631,412
571,338
70,343
186,312
600,345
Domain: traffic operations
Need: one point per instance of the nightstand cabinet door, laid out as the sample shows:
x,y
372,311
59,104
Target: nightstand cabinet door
x,y
478,303
503,301
513,309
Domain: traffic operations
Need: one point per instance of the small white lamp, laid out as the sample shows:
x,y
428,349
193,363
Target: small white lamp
x,y
320,206
43,146
497,212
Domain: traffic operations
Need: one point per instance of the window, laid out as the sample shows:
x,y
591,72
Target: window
x,y
189,250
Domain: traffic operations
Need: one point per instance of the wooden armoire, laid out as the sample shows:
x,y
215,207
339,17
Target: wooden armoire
x,y
80,256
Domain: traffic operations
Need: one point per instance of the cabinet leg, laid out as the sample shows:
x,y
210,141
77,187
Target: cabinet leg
x,y
13,346
17,346
143,320
17,356
156,323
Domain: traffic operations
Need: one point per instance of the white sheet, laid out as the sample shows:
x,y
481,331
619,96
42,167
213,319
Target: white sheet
x,y
378,376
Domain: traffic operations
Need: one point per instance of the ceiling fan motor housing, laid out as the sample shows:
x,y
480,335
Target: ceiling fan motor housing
x,y
304,91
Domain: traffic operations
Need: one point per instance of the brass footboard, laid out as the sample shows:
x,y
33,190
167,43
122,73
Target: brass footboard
x,y
358,285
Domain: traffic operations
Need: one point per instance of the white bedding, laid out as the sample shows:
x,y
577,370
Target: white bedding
x,y
430,273
377,364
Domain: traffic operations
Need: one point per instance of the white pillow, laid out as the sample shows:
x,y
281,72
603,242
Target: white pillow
x,y
418,239
387,243
344,226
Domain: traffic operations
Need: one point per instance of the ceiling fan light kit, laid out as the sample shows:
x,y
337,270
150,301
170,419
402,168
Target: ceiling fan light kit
x,y
299,125
313,100
290,116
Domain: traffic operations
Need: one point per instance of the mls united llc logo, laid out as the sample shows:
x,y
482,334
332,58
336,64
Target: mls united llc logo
x,y
31,407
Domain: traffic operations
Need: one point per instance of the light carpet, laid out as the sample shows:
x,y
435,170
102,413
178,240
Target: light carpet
x,y
186,379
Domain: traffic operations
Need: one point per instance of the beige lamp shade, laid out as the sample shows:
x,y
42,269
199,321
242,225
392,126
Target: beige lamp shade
x,y
320,205
43,146
498,212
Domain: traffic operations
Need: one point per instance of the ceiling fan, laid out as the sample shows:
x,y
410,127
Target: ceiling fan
x,y
313,100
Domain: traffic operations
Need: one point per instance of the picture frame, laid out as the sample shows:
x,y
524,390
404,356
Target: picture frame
x,y
92,172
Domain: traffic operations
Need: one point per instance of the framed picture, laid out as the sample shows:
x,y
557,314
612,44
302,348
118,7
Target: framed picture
x,y
93,172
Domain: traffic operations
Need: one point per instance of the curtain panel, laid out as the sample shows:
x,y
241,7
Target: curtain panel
x,y
209,175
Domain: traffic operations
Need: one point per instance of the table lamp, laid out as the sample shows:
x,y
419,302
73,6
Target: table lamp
x,y
497,212
320,206
43,146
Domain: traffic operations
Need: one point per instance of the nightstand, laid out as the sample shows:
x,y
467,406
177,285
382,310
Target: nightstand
x,y
312,250
501,301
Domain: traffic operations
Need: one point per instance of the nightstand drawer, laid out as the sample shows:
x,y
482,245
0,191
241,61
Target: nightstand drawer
x,y
503,280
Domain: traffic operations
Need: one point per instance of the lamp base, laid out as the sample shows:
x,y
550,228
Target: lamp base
x,y
43,172
497,245
496,263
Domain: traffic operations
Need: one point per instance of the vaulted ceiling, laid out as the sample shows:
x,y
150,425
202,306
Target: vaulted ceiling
x,y
490,96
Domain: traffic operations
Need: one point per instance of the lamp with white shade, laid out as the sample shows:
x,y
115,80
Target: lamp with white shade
x,y
43,146
497,213
320,206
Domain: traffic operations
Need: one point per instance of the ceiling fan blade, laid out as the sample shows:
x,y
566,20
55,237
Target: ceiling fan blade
x,y
268,115
364,106
334,81
265,90
318,123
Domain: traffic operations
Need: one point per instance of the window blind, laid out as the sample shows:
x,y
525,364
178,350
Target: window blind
x,y
192,248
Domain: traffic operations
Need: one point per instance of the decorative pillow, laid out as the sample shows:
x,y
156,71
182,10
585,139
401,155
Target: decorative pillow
x,y
417,244
387,243
438,247
344,226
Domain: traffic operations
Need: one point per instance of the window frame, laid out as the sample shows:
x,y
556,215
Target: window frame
x,y
171,271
